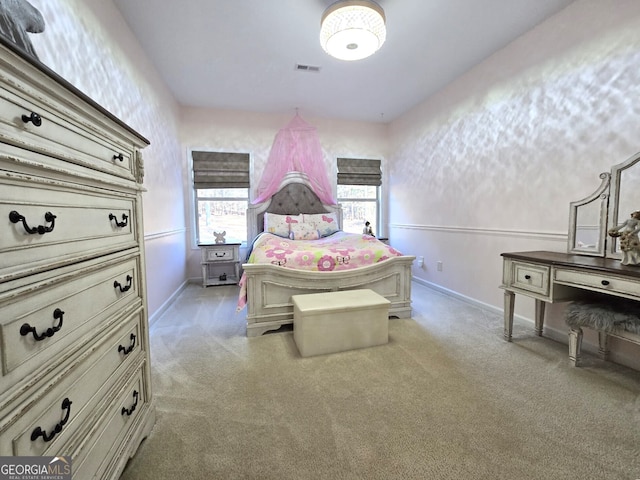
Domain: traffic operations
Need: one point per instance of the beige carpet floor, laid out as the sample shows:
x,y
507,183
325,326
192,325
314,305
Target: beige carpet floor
x,y
446,398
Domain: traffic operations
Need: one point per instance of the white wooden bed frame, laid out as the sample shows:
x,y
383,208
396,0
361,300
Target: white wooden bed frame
x,y
270,287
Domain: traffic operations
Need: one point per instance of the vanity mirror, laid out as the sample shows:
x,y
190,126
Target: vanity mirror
x,y
588,221
609,206
625,197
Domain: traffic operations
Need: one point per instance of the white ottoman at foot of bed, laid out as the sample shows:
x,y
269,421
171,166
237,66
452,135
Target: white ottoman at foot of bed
x,y
332,322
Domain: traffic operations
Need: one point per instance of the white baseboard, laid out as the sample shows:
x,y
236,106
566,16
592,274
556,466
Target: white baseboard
x,y
459,296
555,334
164,307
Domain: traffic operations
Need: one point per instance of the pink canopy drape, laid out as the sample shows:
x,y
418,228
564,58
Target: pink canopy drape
x,y
296,148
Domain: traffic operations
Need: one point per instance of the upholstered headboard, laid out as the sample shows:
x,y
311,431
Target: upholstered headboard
x,y
295,196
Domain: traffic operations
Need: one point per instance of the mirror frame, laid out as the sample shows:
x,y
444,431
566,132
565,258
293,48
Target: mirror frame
x,y
602,193
614,204
609,194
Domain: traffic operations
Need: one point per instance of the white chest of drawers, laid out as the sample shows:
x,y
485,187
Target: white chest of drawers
x,y
74,347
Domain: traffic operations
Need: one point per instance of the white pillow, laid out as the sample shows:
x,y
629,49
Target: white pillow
x,y
303,231
325,223
279,224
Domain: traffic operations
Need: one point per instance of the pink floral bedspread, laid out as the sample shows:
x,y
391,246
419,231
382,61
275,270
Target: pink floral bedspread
x,y
340,251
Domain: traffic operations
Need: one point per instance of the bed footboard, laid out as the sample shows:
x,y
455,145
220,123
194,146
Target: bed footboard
x,y
270,287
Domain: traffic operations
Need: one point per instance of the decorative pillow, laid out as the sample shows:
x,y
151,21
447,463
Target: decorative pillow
x,y
325,223
279,224
303,231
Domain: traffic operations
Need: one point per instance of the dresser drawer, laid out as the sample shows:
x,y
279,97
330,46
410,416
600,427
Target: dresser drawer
x,y
219,254
39,329
63,136
528,276
67,224
50,420
122,416
602,283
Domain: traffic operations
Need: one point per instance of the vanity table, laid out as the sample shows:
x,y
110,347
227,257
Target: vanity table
x,y
591,264
560,277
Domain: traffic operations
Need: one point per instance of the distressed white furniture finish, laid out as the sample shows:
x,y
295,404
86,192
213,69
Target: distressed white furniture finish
x,y
575,343
219,259
339,321
74,349
584,315
557,277
270,287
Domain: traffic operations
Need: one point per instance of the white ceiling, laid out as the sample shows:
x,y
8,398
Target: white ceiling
x,y
242,54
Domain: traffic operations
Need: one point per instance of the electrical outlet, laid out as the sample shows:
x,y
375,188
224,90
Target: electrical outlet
x,y
439,265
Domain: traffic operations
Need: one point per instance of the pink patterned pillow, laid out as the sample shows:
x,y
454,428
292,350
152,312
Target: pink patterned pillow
x,y
279,224
303,231
325,223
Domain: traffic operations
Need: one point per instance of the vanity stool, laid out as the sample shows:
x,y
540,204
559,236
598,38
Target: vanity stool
x,y
618,318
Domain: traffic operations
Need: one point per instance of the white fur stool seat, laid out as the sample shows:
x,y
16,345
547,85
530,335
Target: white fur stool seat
x,y
332,322
618,318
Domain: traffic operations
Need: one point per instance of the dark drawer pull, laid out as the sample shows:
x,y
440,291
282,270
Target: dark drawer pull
x,y
127,350
26,329
605,282
124,222
129,411
221,255
527,277
126,288
33,118
38,432
119,156
15,217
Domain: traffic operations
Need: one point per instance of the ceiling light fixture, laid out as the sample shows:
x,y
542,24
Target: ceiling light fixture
x,y
352,29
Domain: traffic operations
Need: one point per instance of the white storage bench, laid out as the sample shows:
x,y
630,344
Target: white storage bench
x,y
332,322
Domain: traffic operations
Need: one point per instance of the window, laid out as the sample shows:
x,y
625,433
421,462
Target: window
x,y
221,185
359,183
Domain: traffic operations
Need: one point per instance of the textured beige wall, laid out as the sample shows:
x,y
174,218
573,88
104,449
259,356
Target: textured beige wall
x,y
88,43
494,159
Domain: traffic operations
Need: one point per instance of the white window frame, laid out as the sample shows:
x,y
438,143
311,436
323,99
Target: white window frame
x,y
378,218
193,204
196,206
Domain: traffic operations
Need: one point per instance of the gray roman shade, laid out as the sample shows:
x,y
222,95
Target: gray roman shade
x,y
359,171
220,170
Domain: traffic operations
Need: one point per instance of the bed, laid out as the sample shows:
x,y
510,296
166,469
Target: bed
x,y
266,288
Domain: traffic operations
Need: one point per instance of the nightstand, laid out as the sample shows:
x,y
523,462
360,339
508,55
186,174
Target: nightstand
x,y
220,263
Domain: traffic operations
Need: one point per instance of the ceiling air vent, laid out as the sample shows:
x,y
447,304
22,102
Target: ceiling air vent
x,y
307,68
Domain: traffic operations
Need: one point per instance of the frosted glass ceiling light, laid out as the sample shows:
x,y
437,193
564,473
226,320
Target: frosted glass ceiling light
x,y
352,29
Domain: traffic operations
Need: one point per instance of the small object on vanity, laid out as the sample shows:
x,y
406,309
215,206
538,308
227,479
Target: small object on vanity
x,y
220,236
223,277
367,230
627,232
